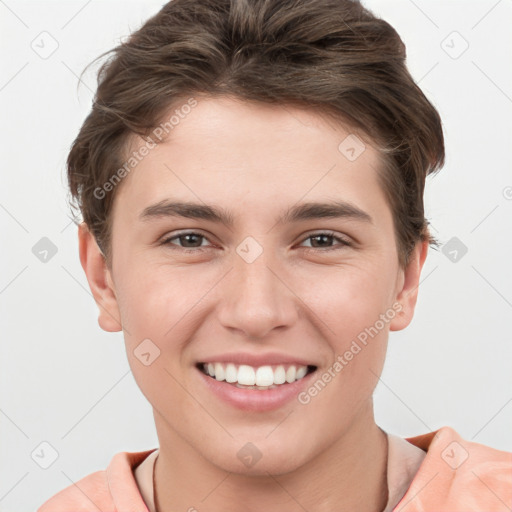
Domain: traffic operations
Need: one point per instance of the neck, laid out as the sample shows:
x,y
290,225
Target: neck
x,y
350,475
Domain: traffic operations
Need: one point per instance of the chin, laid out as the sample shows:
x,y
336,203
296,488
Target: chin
x,y
260,457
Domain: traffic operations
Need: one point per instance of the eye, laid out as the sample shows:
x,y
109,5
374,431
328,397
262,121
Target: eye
x,y
190,239
322,238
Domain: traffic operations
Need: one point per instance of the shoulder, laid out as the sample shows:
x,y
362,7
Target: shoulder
x,y
458,475
108,490
89,493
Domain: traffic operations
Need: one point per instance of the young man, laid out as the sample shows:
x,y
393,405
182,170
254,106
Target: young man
x,y
251,179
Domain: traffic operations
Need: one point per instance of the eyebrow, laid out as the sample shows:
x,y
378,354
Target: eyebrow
x,y
296,213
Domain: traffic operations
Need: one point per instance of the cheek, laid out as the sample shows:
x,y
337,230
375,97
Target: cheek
x,y
164,302
152,300
164,305
356,315
349,300
154,312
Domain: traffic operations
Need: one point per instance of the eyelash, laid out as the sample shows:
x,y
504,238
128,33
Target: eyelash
x,y
342,242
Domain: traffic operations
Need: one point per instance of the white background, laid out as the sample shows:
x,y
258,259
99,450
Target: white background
x,y
66,382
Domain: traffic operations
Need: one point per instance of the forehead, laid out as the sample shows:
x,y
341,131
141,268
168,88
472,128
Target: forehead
x,y
252,156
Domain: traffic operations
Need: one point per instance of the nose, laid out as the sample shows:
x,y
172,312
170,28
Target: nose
x,y
256,298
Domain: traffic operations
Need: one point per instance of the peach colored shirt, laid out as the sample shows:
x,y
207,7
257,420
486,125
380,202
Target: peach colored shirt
x,y
438,471
404,460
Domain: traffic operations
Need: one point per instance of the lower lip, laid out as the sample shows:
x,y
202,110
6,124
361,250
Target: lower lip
x,y
256,399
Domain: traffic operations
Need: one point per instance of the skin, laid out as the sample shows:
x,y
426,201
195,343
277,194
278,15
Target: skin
x,y
256,160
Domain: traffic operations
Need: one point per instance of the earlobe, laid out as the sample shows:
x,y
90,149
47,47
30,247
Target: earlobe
x,y
99,279
408,294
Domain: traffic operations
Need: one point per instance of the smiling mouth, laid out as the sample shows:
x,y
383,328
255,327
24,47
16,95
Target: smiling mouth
x,y
261,377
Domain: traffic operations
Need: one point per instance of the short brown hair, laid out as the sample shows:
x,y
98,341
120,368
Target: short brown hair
x,y
331,55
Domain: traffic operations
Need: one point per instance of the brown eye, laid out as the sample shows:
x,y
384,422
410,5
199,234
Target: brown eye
x,y
187,240
324,240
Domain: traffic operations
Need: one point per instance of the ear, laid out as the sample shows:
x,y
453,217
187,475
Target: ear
x,y
100,280
408,290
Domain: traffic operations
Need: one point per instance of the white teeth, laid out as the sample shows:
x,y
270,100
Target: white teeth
x,y
262,377
220,374
254,387
246,375
279,375
231,373
290,374
301,371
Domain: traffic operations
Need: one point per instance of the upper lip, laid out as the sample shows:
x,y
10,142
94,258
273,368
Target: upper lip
x,y
257,360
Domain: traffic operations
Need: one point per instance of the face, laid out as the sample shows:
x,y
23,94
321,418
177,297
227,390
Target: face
x,y
247,274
